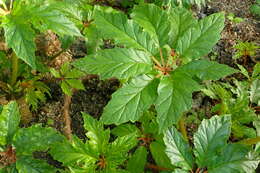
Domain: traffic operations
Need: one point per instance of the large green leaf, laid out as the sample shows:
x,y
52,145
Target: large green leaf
x,y
117,62
174,98
45,17
27,164
154,20
124,31
136,163
9,122
211,136
131,101
234,159
178,149
207,70
20,37
35,138
199,40
181,20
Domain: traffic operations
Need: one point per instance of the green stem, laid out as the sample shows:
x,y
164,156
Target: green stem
x,y
182,128
14,69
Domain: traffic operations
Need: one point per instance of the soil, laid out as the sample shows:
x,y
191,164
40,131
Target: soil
x,y
98,92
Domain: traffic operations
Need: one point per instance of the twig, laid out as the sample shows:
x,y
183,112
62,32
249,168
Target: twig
x,y
157,168
161,55
198,170
66,109
250,141
156,61
182,128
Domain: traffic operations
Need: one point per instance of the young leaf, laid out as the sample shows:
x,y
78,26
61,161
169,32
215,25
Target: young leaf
x,y
178,149
199,40
75,83
41,138
117,153
174,98
210,137
124,31
9,122
154,20
118,62
20,37
29,164
136,163
66,88
99,137
207,70
130,101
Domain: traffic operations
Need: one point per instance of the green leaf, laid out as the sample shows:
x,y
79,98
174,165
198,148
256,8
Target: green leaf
x,y
158,152
207,70
256,71
154,20
174,98
125,129
75,83
71,153
199,40
255,92
178,149
20,37
124,31
131,101
66,88
136,163
28,164
41,138
181,20
9,122
74,73
117,153
99,138
117,62
233,159
55,73
45,17
211,136
243,71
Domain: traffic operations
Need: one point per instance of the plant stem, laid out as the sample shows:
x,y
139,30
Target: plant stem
x,y
250,141
14,60
67,119
157,168
182,128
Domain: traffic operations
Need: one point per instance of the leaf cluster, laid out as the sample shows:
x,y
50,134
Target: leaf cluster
x,y
18,144
98,153
211,152
157,53
237,101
